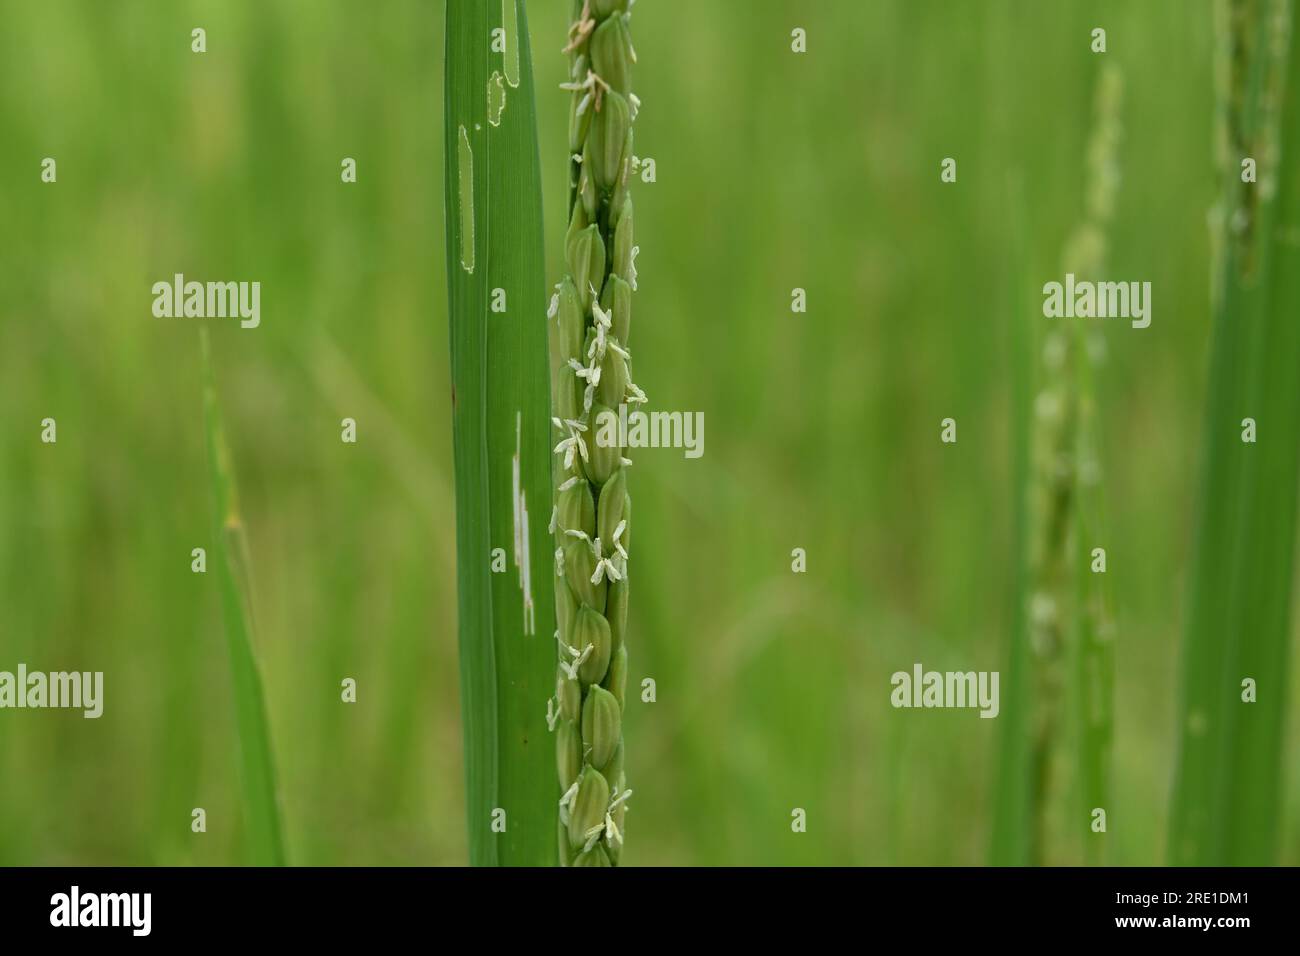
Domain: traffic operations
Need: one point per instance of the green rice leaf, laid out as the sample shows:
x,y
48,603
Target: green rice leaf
x,y
265,845
501,432
1227,784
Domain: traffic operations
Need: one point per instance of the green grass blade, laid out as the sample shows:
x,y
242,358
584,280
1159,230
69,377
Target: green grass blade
x,y
1056,739
1226,793
501,433
265,845
1094,630
1010,844
1093,636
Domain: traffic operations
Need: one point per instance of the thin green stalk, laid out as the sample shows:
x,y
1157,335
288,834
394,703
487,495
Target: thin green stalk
x,y
501,430
230,549
1094,664
1057,741
1094,626
1227,783
592,312
1010,843
1094,631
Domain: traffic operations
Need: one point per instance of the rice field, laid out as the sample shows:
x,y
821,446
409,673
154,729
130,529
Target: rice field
x,y
816,282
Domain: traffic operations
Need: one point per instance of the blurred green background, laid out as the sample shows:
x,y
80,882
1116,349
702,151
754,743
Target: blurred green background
x,y
774,171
